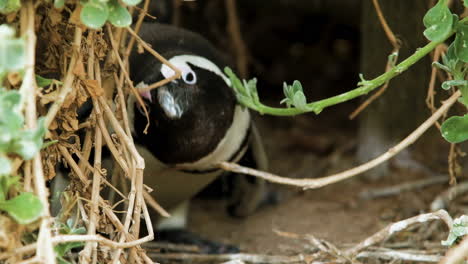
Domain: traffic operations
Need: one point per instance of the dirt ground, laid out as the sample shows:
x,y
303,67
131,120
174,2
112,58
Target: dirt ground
x,y
317,43
334,213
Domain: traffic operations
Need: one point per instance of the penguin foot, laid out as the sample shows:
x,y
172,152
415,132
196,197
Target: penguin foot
x,y
182,236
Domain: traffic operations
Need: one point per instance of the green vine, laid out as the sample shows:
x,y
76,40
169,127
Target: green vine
x,y
440,24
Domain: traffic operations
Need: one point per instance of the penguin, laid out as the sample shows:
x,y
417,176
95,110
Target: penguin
x,y
195,123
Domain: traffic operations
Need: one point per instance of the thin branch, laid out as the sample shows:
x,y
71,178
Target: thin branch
x,y
399,226
71,162
320,182
160,58
155,205
431,89
69,78
138,24
390,62
388,31
44,249
86,150
240,48
127,76
407,186
77,238
91,247
128,217
110,144
140,162
444,199
399,255
85,255
251,258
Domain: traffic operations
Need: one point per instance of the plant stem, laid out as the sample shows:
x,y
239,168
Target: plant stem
x,y
366,87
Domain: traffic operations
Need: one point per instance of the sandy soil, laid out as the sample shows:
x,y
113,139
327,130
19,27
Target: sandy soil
x,y
334,213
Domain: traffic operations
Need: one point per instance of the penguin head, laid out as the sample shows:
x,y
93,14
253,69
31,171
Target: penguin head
x,y
189,116
201,87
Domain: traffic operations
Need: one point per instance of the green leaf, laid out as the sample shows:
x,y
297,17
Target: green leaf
x,y
62,249
455,129
438,21
6,137
450,240
9,110
246,92
251,86
449,84
299,101
43,82
26,148
465,2
59,3
8,6
10,98
38,135
451,55
235,82
29,143
119,15
5,166
24,208
12,54
6,183
299,98
461,43
49,143
94,14
458,230
12,120
288,94
441,66
294,96
131,2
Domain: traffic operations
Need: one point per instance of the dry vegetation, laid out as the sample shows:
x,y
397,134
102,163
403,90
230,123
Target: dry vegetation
x,y
93,64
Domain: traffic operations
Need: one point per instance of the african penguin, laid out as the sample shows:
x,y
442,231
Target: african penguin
x,y
195,123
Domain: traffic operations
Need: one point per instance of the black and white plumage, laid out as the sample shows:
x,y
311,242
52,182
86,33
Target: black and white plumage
x,y
195,123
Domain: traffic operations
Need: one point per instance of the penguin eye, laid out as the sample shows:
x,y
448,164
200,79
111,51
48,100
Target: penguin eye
x,y
189,77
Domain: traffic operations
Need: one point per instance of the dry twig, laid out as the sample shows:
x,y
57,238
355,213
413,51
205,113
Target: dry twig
x,y
320,182
238,43
407,186
444,199
44,251
160,58
399,255
399,226
251,258
69,78
390,63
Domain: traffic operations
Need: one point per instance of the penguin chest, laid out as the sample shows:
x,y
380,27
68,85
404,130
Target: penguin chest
x,y
175,184
172,186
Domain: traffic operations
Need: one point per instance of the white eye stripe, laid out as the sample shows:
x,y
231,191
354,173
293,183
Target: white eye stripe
x,y
181,62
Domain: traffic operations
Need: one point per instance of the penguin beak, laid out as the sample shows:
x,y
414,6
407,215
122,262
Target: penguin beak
x,y
147,96
168,103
